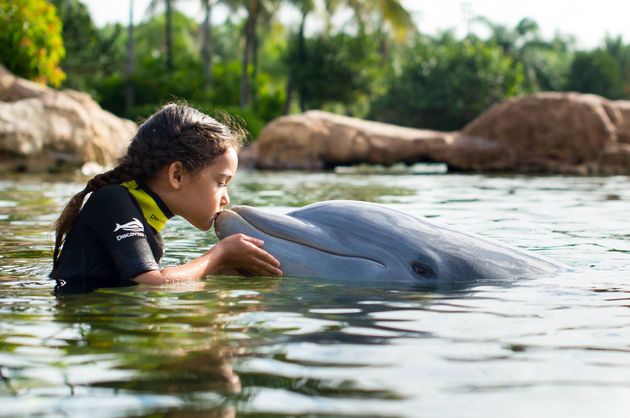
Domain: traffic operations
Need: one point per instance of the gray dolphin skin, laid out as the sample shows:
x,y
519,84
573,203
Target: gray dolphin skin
x,y
367,242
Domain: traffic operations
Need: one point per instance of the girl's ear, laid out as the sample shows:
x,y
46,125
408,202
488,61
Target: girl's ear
x,y
175,173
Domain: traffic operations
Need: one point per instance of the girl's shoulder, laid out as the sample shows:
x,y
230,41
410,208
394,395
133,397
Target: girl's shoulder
x,y
110,195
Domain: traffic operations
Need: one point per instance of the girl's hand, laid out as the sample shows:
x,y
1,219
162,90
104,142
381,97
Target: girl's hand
x,y
245,254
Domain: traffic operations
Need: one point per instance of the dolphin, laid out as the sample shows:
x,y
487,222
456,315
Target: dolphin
x,y
371,243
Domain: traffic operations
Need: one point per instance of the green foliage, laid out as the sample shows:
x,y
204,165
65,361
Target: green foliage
x,y
270,97
544,62
620,52
31,44
446,83
150,41
363,68
153,87
334,69
596,72
90,53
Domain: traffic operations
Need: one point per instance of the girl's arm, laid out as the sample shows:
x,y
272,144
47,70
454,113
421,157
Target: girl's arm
x,y
236,252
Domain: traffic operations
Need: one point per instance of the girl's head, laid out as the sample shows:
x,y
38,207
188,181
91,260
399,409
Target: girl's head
x,y
175,134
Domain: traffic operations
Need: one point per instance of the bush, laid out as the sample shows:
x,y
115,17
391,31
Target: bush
x,y
596,72
153,86
331,69
445,84
31,45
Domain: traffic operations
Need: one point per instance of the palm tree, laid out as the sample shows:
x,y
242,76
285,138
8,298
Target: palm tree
x,y
129,90
207,49
381,16
256,10
168,15
378,13
524,45
253,12
388,19
305,7
391,21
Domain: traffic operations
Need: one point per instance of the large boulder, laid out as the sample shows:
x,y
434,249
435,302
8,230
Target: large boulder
x,y
317,139
623,121
548,131
544,132
41,128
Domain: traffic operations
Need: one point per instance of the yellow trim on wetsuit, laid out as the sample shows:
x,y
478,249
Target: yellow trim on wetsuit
x,y
150,209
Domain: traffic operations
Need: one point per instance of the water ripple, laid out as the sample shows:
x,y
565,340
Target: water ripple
x,y
255,347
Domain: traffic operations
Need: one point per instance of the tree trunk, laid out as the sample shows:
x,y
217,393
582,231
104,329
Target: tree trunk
x,y
302,60
288,96
254,83
383,45
301,52
207,50
129,90
250,30
169,36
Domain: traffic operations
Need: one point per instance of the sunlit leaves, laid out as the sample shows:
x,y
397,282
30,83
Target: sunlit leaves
x,y
31,44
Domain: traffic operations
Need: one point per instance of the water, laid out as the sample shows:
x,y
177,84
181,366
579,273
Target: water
x,y
261,347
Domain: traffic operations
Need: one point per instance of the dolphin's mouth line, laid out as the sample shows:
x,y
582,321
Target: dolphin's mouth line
x,y
327,251
298,242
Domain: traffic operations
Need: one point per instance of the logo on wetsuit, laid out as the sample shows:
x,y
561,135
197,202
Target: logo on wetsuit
x,y
133,228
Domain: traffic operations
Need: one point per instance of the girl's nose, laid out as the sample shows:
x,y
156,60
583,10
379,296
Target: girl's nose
x,y
225,199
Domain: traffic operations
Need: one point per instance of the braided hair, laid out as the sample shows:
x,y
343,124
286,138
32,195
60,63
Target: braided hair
x,y
176,132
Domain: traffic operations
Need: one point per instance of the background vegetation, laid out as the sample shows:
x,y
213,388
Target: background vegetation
x,y
364,58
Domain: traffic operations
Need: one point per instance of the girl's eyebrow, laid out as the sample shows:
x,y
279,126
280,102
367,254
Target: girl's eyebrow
x,y
224,176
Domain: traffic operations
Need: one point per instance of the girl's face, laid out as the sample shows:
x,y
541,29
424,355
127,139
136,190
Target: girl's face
x,y
203,194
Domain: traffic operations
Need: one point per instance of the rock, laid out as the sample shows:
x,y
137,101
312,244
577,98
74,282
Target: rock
x,y
317,139
13,88
544,130
41,128
248,156
623,123
614,160
567,133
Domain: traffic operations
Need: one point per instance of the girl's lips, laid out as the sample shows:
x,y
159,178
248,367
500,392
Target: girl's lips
x,y
214,217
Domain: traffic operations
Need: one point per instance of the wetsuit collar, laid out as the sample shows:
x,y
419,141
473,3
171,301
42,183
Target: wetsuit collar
x,y
153,208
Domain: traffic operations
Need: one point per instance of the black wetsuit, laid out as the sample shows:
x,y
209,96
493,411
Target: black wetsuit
x,y
115,238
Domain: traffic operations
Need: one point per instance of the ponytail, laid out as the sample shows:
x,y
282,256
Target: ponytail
x,y
68,216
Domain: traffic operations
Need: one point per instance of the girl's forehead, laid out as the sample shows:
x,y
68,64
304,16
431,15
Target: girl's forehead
x,y
225,164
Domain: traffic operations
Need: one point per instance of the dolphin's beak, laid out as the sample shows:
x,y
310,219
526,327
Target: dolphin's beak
x,y
258,223
228,222
277,225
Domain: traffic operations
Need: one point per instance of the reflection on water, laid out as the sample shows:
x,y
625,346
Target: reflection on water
x,y
228,346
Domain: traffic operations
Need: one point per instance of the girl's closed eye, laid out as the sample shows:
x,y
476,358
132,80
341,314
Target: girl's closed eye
x,y
223,181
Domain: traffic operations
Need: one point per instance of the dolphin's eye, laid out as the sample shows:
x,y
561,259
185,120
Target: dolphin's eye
x,y
422,270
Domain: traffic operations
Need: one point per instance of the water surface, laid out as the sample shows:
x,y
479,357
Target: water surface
x,y
553,346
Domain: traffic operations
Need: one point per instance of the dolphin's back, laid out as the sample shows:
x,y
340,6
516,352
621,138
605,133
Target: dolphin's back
x,y
476,255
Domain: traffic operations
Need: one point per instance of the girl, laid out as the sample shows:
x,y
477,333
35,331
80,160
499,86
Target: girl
x,y
179,163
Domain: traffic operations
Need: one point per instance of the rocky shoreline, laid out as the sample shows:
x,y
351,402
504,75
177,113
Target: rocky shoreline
x,y
564,133
43,129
